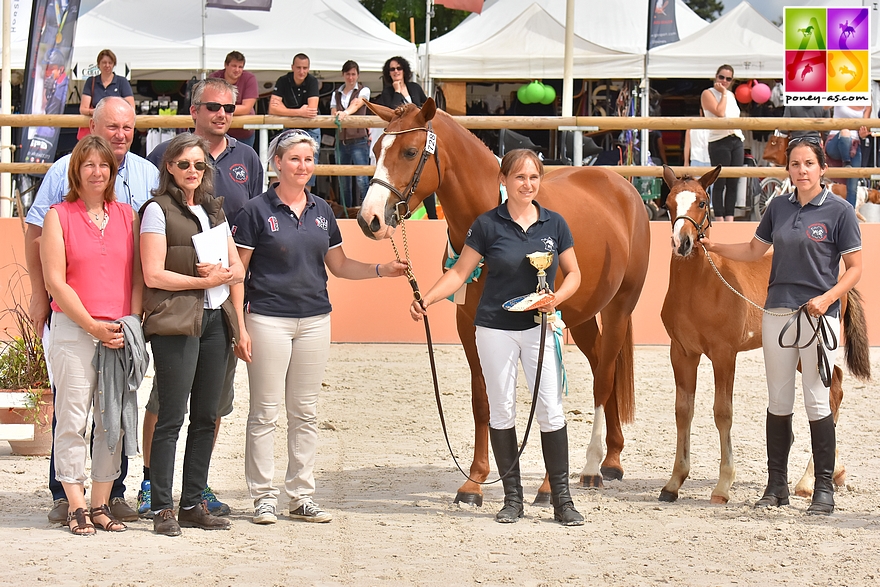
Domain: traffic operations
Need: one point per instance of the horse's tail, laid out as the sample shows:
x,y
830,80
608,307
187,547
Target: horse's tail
x,y
855,329
624,382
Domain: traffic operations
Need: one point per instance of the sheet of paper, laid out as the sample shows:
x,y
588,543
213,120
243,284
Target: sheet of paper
x,y
212,247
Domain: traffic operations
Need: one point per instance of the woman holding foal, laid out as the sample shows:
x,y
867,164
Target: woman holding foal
x,y
810,230
503,237
287,238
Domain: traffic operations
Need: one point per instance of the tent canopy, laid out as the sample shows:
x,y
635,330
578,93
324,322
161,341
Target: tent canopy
x,y
162,39
498,44
742,38
529,45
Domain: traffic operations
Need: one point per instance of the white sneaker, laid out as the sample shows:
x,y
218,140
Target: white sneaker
x,y
264,513
310,512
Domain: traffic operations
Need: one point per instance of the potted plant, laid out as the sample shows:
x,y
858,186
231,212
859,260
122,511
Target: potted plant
x,y
23,369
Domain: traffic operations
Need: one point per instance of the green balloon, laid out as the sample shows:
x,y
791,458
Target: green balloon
x,y
535,92
521,94
549,95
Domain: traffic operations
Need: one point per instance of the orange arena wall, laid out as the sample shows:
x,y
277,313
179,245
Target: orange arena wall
x,y
377,310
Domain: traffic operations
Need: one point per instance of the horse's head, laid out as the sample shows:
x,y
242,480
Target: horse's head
x,y
401,156
689,208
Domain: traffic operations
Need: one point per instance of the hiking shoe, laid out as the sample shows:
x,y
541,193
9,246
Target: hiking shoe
x,y
199,517
165,524
143,503
215,506
121,510
264,513
310,512
58,513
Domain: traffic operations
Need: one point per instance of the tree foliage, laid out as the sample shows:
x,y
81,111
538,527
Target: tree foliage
x,y
706,9
400,11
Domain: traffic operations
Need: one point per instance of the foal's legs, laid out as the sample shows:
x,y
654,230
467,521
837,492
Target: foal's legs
x,y
804,487
725,370
684,367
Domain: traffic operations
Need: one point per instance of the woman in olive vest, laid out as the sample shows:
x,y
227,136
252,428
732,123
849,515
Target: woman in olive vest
x,y
190,322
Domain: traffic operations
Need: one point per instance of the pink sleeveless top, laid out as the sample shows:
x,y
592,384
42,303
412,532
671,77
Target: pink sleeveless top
x,y
99,266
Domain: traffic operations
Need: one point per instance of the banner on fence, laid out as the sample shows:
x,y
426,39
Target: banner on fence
x,y
827,56
50,42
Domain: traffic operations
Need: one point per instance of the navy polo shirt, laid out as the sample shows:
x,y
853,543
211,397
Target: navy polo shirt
x,y
238,174
287,277
808,242
504,247
119,87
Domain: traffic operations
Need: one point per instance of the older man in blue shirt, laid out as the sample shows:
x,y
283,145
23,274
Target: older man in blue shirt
x,y
113,120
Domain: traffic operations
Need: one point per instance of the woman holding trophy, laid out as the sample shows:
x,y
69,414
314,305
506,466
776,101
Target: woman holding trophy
x,y
507,239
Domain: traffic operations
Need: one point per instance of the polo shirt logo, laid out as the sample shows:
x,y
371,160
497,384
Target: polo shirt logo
x,y
549,243
817,232
273,224
321,223
238,173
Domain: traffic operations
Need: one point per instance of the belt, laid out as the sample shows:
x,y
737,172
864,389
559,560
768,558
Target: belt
x,y
353,141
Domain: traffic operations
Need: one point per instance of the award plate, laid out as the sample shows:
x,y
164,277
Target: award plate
x,y
527,302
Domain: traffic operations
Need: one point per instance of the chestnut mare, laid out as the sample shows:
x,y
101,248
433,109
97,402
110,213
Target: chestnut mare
x,y
704,317
612,240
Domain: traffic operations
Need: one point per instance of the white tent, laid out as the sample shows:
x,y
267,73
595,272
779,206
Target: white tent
x,y
527,36
162,39
531,45
742,38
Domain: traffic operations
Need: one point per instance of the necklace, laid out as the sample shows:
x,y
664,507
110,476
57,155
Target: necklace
x,y
100,219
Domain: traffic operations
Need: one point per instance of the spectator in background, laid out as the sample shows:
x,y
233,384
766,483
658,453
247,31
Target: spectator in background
x,y
725,145
296,94
696,147
845,145
805,112
246,84
398,87
352,144
100,86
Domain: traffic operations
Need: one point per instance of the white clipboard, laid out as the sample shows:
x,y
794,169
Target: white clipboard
x,y
212,247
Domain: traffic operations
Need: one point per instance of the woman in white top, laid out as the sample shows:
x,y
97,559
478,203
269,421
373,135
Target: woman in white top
x,y
725,145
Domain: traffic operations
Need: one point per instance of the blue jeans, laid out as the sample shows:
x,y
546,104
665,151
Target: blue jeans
x,y
840,148
353,152
188,369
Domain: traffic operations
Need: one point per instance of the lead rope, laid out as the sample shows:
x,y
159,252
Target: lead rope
x,y
417,296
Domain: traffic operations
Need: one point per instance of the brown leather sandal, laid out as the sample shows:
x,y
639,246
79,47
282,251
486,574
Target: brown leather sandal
x,y
114,525
83,527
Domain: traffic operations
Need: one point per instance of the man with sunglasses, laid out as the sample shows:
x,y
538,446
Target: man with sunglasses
x,y
113,120
238,177
296,94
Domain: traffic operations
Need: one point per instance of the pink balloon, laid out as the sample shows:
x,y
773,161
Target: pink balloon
x,y
760,93
743,93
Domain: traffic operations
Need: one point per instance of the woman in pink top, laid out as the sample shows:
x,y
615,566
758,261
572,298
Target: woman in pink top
x,y
92,270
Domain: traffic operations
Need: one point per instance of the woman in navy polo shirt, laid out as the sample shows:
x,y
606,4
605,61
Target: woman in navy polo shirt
x,y
100,86
503,237
810,230
285,237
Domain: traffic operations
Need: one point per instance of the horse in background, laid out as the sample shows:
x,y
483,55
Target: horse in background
x,y
704,317
612,240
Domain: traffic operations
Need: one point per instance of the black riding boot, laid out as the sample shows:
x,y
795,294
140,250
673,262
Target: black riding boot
x,y
779,441
506,453
824,442
555,447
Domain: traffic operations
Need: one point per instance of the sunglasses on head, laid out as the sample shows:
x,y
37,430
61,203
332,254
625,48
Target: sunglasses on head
x,y
724,78
215,106
199,165
395,68
807,139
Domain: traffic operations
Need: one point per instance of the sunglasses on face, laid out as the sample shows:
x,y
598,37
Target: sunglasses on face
x,y
395,69
724,78
215,106
199,165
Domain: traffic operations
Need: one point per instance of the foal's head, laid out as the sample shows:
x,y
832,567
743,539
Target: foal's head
x,y
689,208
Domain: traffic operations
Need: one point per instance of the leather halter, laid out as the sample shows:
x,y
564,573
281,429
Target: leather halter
x,y
702,226
401,209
